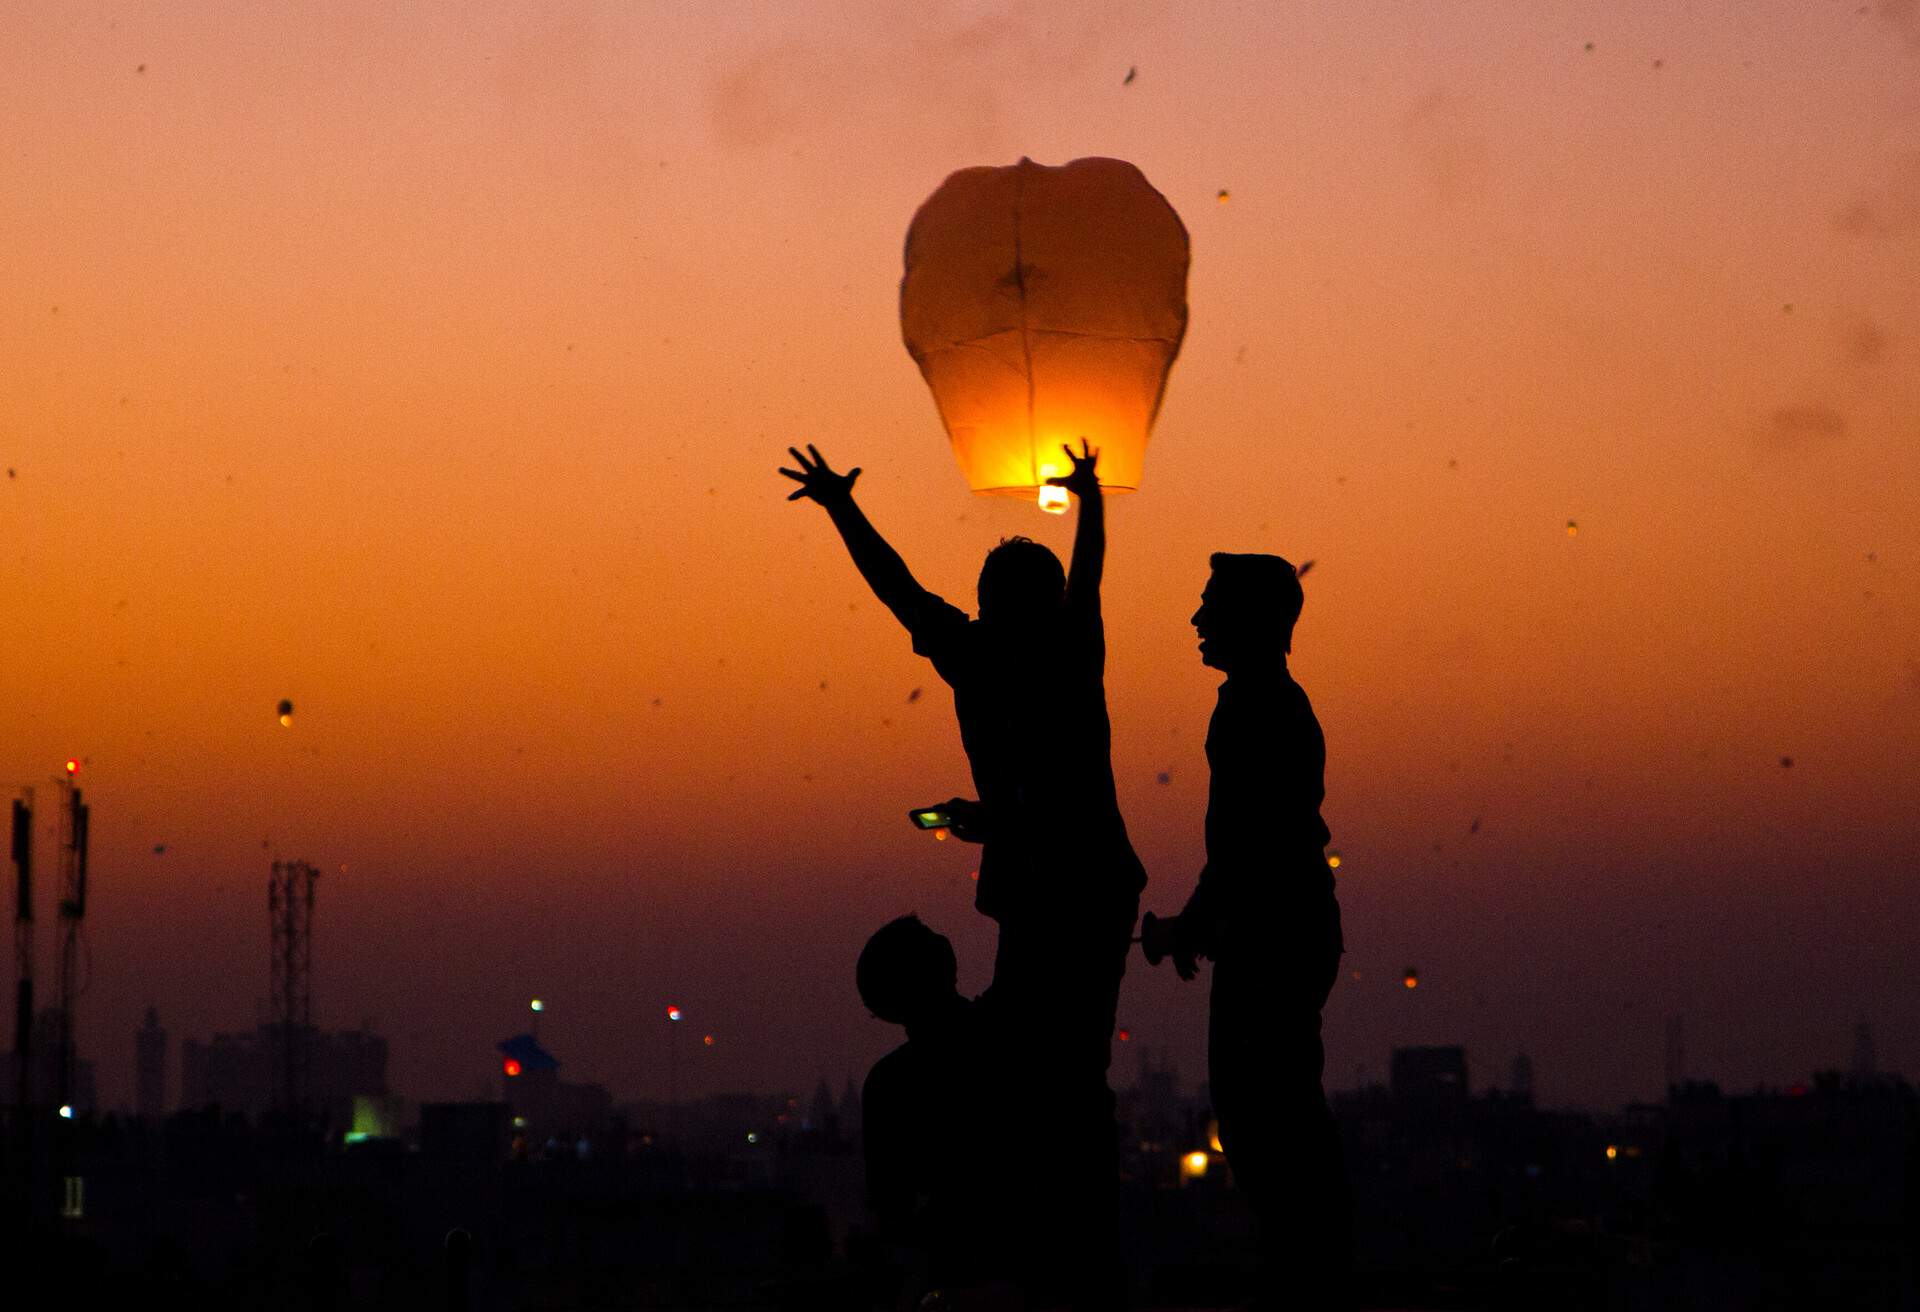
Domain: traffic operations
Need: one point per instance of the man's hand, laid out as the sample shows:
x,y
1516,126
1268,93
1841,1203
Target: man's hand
x,y
969,819
1081,482
816,481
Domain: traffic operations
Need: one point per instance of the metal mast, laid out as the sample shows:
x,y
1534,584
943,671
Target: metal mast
x,y
73,909
290,919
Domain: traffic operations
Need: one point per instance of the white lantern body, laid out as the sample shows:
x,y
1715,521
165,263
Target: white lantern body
x,y
1044,305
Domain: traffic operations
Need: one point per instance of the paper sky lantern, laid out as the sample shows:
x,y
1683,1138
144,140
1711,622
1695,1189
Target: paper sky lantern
x,y
1043,305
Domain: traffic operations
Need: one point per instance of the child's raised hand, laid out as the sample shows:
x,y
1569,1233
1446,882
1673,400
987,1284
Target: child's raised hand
x,y
1081,482
817,482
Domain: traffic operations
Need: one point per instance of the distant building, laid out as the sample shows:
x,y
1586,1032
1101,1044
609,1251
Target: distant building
x,y
466,1131
1430,1078
238,1072
544,1106
1521,1084
850,1109
44,1081
822,1119
150,1069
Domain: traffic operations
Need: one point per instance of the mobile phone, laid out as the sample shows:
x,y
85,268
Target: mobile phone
x,y
931,817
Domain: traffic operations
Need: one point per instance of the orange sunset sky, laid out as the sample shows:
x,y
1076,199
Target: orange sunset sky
x,y
429,365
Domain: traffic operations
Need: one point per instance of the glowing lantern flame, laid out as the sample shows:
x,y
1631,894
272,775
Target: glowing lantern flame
x,y
510,1067
1043,305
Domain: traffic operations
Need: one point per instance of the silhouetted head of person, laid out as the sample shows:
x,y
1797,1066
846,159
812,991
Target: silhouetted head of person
x,y
1021,583
907,973
1247,612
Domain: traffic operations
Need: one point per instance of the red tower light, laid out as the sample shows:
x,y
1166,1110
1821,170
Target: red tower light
x,y
510,1067
73,767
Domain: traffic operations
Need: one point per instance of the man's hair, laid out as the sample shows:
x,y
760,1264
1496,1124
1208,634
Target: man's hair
x,y
1020,575
904,969
1263,591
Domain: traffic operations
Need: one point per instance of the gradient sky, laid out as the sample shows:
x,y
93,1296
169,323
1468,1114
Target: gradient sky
x,y
428,365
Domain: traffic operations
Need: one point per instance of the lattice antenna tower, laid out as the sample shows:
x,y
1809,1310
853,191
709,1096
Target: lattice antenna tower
x,y
290,920
75,815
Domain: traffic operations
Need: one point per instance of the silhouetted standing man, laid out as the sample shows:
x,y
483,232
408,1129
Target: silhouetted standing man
x,y
1264,912
1058,872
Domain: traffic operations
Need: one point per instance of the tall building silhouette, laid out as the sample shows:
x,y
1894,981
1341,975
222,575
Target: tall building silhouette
x,y
150,1069
1522,1078
1865,1062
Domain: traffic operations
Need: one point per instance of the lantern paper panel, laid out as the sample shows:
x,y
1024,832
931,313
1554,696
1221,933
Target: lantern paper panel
x,y
1043,305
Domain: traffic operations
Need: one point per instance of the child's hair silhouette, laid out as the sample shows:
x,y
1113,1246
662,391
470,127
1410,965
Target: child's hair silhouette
x,y
906,970
1020,578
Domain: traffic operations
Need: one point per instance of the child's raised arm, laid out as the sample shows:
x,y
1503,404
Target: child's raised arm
x,y
1090,535
879,564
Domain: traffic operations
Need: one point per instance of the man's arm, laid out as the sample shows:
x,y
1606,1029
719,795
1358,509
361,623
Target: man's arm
x,y
879,564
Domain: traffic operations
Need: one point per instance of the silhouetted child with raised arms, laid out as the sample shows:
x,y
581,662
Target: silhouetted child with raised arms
x,y
1264,911
1058,872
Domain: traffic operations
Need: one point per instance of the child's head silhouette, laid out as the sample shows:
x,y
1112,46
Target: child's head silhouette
x,y
906,971
1020,581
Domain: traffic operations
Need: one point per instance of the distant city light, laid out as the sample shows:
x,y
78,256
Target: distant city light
x,y
519,1122
1194,1165
940,835
673,1012
1613,1151
66,1111
537,1005
753,1136
1125,1035
510,1067
708,1040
